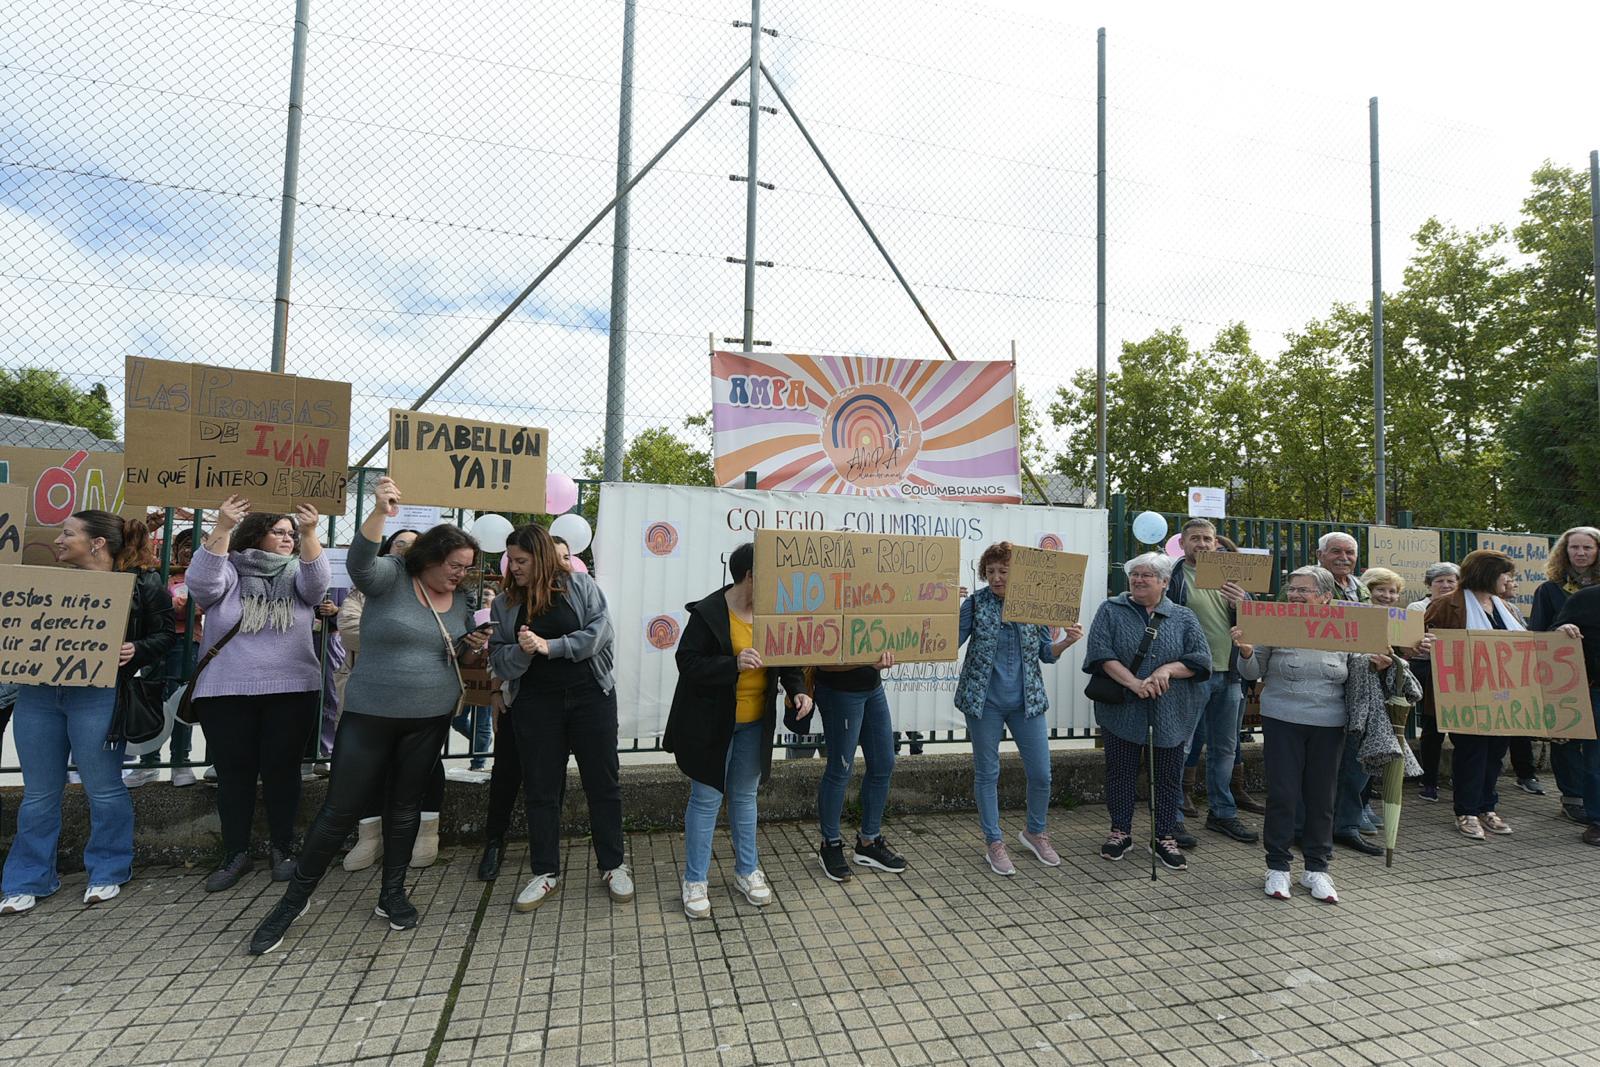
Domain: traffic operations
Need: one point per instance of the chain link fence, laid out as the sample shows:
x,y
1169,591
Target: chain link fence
x,y
450,150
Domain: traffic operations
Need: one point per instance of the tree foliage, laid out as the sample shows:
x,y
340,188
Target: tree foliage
x,y
48,394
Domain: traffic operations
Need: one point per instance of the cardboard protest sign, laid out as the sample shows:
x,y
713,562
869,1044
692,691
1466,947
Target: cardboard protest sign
x,y
467,463
1405,627
1511,682
1336,627
1251,571
62,626
480,686
1409,553
1529,552
824,597
1044,587
62,481
196,434
13,521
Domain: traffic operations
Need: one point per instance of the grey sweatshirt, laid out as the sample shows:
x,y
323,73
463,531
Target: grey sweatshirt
x,y
1302,685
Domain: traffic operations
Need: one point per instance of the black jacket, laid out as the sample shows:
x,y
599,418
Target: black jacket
x,y
700,724
150,624
1583,610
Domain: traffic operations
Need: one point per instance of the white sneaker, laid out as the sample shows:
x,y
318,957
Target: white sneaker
x,y
619,883
536,892
73,779
1278,885
210,775
1321,886
308,772
182,776
138,776
696,904
17,903
754,887
99,894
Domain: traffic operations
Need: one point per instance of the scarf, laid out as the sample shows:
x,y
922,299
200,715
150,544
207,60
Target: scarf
x,y
1477,619
1367,694
266,589
1576,581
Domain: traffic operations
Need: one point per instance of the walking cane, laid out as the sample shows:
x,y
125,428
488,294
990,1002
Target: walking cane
x,y
1150,745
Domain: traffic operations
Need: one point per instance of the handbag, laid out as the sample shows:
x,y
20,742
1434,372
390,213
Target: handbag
x,y
140,716
184,710
1104,689
449,648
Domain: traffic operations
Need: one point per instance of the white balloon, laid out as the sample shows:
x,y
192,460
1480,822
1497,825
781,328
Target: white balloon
x,y
1149,527
574,530
491,532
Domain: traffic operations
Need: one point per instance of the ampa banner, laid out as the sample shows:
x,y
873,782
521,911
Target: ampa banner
x,y
866,426
660,548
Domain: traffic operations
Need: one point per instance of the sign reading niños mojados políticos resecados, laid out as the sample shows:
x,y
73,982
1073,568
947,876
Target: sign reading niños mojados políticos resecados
x,y
468,463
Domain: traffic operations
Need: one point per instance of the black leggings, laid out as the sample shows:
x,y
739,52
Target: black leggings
x,y
1432,749
374,754
432,797
505,781
1122,771
251,737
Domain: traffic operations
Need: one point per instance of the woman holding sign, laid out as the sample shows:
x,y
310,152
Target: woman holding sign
x,y
1488,580
551,644
48,721
1001,686
720,729
406,686
260,578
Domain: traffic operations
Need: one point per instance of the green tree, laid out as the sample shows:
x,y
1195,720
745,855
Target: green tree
x,y
658,455
1552,452
1556,311
47,394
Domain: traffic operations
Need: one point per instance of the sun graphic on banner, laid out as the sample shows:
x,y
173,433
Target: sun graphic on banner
x,y
871,435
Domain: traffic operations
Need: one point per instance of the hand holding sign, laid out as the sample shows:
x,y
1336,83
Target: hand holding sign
x,y
231,512
386,496
306,519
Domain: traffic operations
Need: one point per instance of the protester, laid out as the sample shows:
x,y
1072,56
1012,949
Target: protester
x,y
48,721
1303,719
256,695
1441,579
416,625
1337,553
1487,579
1001,687
181,740
1573,565
1582,610
551,643
1159,653
720,730
855,711
1218,728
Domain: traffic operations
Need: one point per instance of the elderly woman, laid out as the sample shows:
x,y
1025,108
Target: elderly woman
x,y
1574,565
1158,653
1303,718
1488,578
1441,579
1001,686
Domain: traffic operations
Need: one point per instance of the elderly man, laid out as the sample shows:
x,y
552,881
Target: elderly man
x,y
1337,553
1218,728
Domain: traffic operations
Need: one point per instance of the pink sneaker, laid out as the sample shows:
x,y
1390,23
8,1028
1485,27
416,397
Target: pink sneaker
x,y
1039,845
999,861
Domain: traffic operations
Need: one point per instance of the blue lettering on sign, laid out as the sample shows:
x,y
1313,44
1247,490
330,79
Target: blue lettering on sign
x,y
803,593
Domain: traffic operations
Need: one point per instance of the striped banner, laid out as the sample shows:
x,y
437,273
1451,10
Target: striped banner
x,y
866,426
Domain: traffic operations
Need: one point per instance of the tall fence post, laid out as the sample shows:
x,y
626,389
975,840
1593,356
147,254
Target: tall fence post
x,y
1404,519
1119,540
1378,447
1100,277
751,156
617,351
1594,234
291,184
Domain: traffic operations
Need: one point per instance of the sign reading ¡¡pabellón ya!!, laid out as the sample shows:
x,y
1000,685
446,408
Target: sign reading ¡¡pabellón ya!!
x,y
823,597
864,425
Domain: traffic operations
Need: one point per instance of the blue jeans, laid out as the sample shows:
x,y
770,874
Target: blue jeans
x,y
477,726
849,719
1567,761
1353,778
1032,736
741,777
1217,731
48,721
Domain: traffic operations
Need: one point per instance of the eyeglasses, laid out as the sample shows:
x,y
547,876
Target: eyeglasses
x,y
456,568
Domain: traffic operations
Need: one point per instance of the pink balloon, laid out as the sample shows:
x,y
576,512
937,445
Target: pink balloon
x,y
560,493
505,565
1172,546
578,565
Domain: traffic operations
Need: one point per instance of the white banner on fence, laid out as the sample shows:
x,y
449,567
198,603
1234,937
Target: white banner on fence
x,y
662,547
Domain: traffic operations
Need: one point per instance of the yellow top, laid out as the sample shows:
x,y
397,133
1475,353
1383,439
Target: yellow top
x,y
752,689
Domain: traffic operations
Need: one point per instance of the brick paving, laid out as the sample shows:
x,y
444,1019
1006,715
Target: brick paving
x,y
1461,954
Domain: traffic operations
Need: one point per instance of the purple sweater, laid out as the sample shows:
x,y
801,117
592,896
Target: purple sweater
x,y
266,662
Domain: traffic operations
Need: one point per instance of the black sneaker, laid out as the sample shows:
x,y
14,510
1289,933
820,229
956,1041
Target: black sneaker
x,y
877,853
1171,858
227,876
833,864
269,935
1574,811
1233,828
1184,838
393,905
1116,846
282,864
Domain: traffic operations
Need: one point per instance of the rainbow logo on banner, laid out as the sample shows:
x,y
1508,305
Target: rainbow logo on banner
x,y
1051,542
661,539
661,632
867,426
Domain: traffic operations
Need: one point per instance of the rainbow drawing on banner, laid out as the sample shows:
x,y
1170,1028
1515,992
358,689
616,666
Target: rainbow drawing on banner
x,y
867,426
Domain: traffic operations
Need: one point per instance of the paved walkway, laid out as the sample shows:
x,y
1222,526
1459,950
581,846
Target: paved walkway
x,y
1460,954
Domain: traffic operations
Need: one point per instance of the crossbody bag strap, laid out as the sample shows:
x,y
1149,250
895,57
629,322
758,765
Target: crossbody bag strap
x,y
449,645
211,653
1150,634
